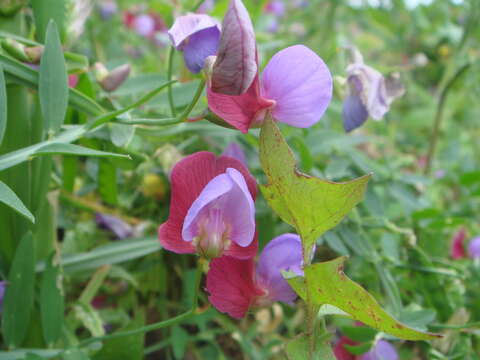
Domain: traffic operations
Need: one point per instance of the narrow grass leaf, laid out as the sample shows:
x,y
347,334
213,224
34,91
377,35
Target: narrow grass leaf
x,y
53,81
3,105
71,149
107,181
9,198
18,301
52,301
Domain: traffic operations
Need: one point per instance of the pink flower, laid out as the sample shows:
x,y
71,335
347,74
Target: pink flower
x,y
457,248
236,285
296,85
212,208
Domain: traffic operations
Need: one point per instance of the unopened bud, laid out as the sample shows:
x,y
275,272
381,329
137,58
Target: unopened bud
x,y
15,49
110,81
34,54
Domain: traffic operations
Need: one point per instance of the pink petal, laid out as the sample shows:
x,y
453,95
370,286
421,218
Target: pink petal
x,y
457,248
188,178
230,283
239,111
187,25
300,83
236,65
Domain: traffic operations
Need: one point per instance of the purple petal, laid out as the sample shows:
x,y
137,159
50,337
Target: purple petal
x,y
224,211
107,9
236,65
206,6
282,253
234,150
120,228
3,285
301,84
382,350
199,46
144,25
474,248
187,25
354,113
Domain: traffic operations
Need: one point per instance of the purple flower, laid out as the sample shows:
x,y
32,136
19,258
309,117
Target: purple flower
x,y
235,151
382,350
144,25
3,285
235,285
276,7
474,248
107,9
198,36
369,93
206,6
117,226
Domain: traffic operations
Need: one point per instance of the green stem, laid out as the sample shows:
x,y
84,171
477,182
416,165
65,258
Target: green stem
x,y
169,121
169,78
310,308
439,116
169,322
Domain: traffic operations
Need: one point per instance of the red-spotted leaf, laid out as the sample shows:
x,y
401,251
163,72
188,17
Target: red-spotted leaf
x,y
328,284
310,204
236,65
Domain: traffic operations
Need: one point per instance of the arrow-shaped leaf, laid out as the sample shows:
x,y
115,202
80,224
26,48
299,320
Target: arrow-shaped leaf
x,y
310,204
328,284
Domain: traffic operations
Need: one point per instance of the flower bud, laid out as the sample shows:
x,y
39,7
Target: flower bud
x,y
15,49
34,53
110,81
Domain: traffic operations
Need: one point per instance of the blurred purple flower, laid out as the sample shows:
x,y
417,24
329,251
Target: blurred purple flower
x,y
107,9
273,25
382,350
474,248
198,36
144,25
235,151
276,7
369,92
117,226
3,285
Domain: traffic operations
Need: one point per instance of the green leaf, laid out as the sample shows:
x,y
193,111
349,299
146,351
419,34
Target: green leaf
x,y
90,318
52,301
9,198
53,81
75,354
359,333
46,10
179,342
3,105
58,148
129,347
310,204
298,349
329,285
358,349
107,182
18,301
118,252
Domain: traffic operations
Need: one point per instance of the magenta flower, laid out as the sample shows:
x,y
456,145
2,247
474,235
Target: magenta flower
x,y
474,248
235,285
382,350
295,87
235,151
457,247
198,36
369,93
3,285
275,7
212,208
339,350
